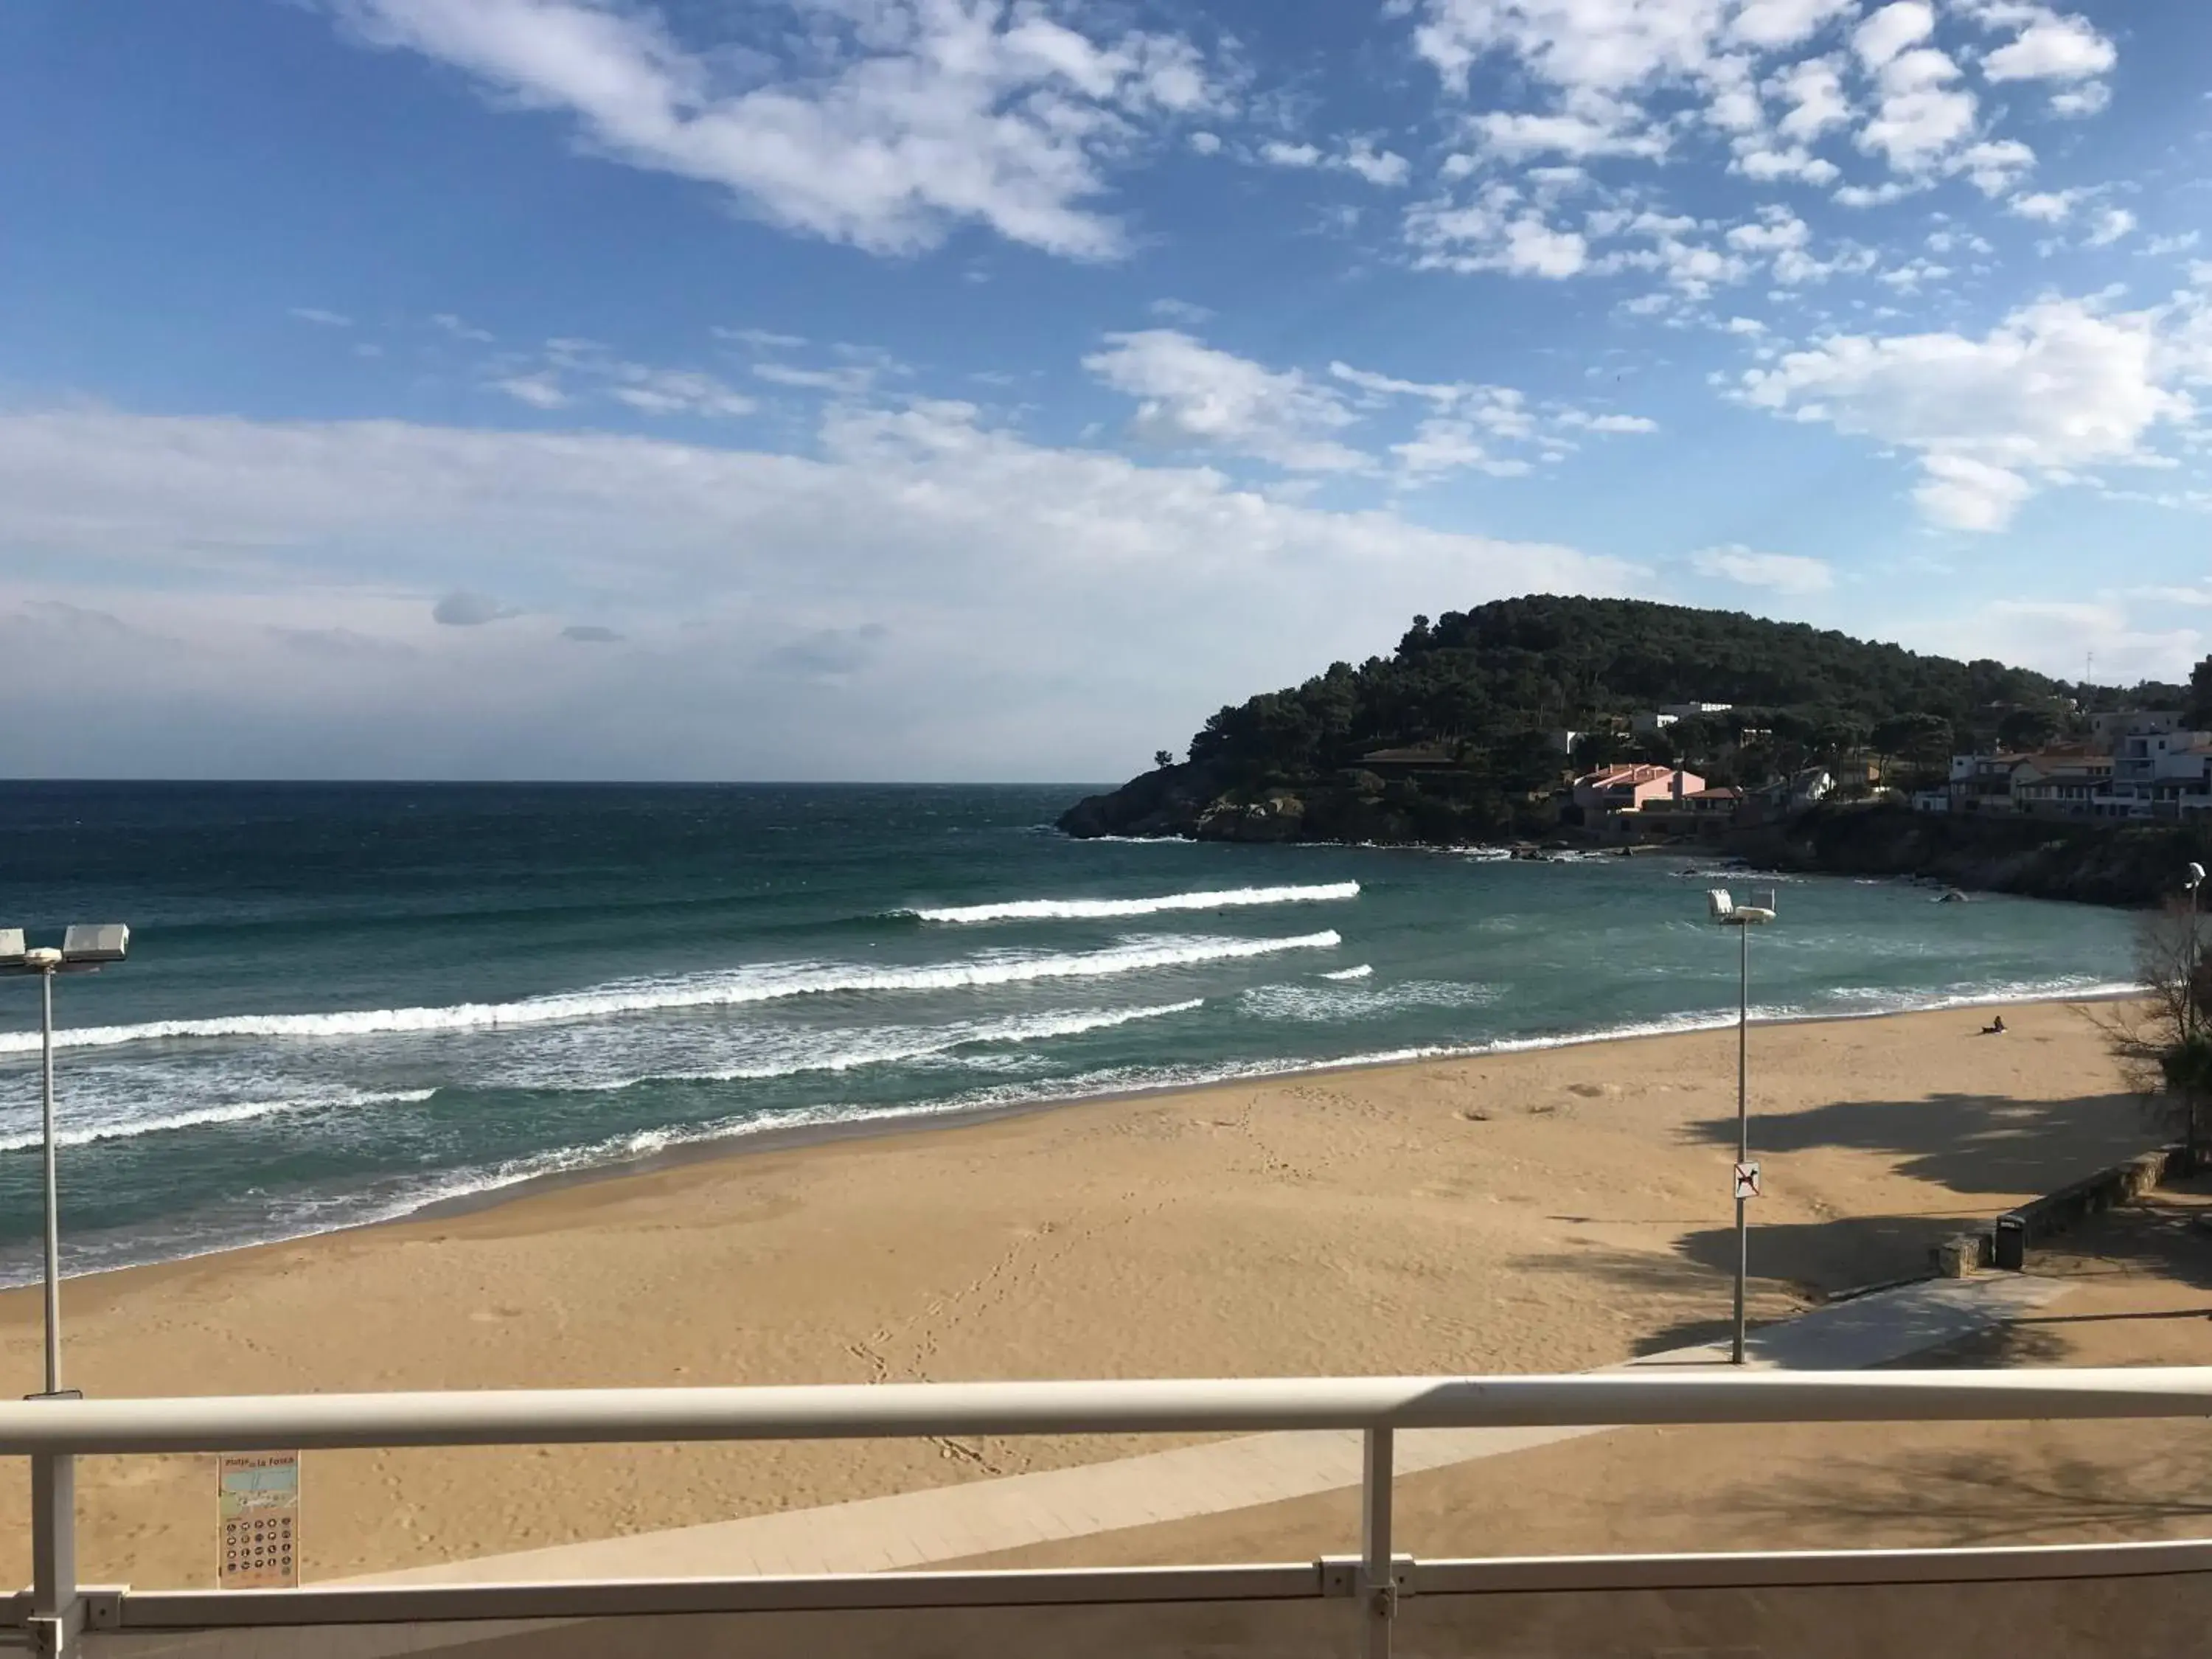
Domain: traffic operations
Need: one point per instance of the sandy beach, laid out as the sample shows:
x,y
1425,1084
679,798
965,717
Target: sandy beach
x,y
1546,1211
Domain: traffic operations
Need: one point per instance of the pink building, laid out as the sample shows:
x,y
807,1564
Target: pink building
x,y
1631,788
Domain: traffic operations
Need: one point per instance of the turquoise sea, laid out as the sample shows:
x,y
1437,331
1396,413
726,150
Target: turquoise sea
x,y
346,1001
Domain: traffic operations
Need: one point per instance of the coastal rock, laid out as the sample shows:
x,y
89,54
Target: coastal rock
x,y
2089,862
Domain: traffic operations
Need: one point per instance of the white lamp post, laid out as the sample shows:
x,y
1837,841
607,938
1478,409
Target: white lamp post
x,y
2193,881
1743,918
83,950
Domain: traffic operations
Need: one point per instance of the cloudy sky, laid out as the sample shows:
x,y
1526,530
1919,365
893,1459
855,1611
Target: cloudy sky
x,y
991,388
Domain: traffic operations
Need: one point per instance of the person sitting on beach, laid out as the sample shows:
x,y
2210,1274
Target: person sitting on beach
x,y
1996,1029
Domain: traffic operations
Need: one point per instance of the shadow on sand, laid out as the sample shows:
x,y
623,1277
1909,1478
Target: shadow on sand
x,y
1968,1143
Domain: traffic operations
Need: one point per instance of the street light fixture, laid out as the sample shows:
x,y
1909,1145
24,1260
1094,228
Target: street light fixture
x,y
1743,918
2193,881
84,950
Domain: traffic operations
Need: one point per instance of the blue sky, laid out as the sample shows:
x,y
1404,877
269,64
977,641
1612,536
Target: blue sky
x,y
953,389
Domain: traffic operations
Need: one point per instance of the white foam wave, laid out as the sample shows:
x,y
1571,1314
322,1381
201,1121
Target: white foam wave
x,y
322,1214
1317,1005
1039,1029
1099,910
735,988
237,1111
1363,971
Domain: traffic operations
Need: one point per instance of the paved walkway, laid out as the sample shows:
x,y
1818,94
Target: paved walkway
x,y
945,1523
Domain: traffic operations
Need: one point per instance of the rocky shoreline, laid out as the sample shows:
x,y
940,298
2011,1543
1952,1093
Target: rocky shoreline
x,y
2131,864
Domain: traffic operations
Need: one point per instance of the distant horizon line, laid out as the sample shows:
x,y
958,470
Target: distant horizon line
x,y
568,783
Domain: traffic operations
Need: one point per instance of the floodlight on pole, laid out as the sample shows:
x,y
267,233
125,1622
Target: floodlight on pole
x,y
1724,910
83,950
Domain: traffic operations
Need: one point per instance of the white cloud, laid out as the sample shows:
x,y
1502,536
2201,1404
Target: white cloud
x,y
2112,224
1643,79
2054,635
1515,136
1920,116
1783,573
972,546
1181,311
1444,445
1867,196
2058,385
1479,428
2083,100
1494,232
677,392
1769,165
1814,90
1994,166
539,391
320,318
1206,143
1610,423
907,117
1886,33
1534,248
461,330
2159,246
2053,48
1190,393
1776,23
1912,273
761,339
1444,393
1962,493
1382,167
1583,48
549,383
1776,229
845,379
2049,206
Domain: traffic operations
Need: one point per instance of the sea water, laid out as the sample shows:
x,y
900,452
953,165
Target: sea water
x,y
346,1001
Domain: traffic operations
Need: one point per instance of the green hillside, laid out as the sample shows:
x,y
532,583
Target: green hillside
x,y
1454,736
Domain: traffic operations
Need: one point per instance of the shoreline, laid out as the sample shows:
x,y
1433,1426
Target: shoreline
x,y
896,1122
1546,1211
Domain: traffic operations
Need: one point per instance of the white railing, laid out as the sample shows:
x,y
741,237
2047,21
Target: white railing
x,y
53,1432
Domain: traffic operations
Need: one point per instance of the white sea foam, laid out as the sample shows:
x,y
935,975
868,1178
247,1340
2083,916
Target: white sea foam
x,y
1325,1005
909,1046
736,987
1363,971
309,1215
1099,910
237,1111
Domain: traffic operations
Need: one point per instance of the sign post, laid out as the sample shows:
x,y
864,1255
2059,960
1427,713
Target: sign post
x,y
259,1506
1747,1182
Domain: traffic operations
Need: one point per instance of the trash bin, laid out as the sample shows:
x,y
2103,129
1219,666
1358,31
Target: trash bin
x,y
2012,1242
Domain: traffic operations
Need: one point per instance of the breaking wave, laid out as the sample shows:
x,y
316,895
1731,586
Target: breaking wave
x,y
1106,909
733,989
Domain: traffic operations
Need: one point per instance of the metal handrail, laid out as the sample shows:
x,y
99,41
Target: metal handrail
x,y
611,1416
53,1432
